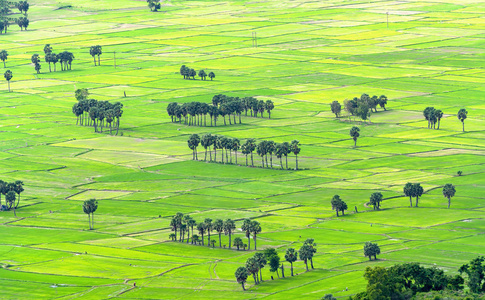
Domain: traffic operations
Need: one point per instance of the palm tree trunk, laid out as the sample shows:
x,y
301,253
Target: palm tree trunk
x,y
94,57
306,264
255,242
9,90
249,242
271,160
242,283
296,161
411,200
311,262
449,201
235,153
281,162
254,276
89,221
417,199
286,158
229,240
208,239
291,268
463,123
252,162
246,160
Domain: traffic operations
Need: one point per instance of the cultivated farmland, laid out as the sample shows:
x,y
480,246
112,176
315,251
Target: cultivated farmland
x,y
308,54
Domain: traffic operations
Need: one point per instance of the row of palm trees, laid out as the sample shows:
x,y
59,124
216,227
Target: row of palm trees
x,y
91,112
184,225
195,113
270,257
230,145
188,72
10,190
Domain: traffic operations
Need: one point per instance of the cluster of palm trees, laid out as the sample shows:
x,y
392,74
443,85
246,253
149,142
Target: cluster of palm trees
x,y
230,145
270,257
10,190
184,225
188,72
195,113
64,58
96,50
91,112
433,116
413,190
361,107
5,14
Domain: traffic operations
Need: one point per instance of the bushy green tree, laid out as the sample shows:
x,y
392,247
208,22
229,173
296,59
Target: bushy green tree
x,y
371,249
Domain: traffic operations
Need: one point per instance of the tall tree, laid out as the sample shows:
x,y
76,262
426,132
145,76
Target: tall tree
x,y
89,207
274,263
476,274
462,115
295,149
305,252
201,228
229,227
261,260
449,191
18,189
212,75
408,192
242,275
291,256
439,115
253,267
354,134
202,74
246,228
219,228
417,192
10,200
8,76
382,101
269,106
255,230
208,227
3,57
310,243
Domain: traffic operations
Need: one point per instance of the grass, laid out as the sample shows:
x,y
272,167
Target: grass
x,y
308,54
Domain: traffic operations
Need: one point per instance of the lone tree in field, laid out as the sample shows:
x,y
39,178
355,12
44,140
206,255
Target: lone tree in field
x,y
154,5
291,256
8,76
242,275
3,57
338,204
354,134
371,249
89,207
212,75
449,191
229,227
336,108
408,192
10,200
375,200
462,114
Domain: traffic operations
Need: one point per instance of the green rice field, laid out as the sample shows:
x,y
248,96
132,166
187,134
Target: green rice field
x,y
309,53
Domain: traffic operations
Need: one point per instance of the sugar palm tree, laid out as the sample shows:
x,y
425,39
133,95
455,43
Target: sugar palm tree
x,y
449,191
3,57
462,115
255,230
236,144
295,149
208,226
246,228
287,150
242,275
408,192
8,76
19,188
89,207
354,134
212,75
219,228
201,228
10,199
191,223
291,256
229,227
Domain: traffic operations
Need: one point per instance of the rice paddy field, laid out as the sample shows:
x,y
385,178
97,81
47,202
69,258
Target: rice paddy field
x,y
310,53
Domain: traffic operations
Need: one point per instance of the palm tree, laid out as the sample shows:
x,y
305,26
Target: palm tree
x,y
229,227
89,207
191,222
212,75
219,228
261,150
439,115
8,75
10,199
260,258
201,228
246,228
202,74
286,151
279,153
354,134
269,106
449,191
417,192
236,144
19,188
408,192
375,200
255,229
462,114
251,146
382,101
295,148
242,275
3,57
291,256
253,267
92,52
208,227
